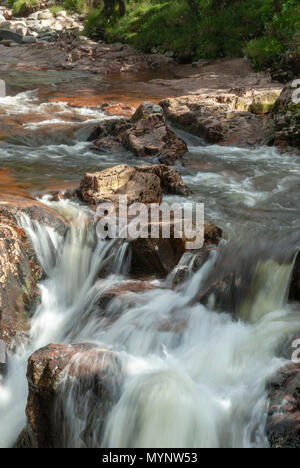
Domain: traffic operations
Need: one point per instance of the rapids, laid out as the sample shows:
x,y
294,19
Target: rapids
x,y
200,384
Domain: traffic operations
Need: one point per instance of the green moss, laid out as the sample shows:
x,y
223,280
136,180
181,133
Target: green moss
x,y
24,7
55,9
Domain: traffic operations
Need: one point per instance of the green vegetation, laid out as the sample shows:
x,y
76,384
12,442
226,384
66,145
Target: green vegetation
x,y
264,30
23,7
77,6
55,9
196,29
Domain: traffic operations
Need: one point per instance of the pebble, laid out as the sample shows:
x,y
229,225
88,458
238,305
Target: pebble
x,y
39,25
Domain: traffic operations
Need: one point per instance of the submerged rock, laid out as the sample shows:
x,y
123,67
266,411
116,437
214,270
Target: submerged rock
x,y
145,134
55,373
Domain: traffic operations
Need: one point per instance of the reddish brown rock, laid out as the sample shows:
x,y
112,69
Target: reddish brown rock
x,y
199,258
19,275
152,137
119,109
123,289
230,117
145,135
160,256
15,205
93,375
283,422
19,268
144,184
107,185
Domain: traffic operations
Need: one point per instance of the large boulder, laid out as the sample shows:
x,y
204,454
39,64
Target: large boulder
x,y
145,134
286,117
19,267
89,376
19,275
14,206
143,184
283,421
146,184
232,117
6,34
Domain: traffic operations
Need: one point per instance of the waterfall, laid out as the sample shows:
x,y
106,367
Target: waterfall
x,y
68,296
191,376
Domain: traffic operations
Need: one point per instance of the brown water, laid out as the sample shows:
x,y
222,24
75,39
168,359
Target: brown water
x,y
48,116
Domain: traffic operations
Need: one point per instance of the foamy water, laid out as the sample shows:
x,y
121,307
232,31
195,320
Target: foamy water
x,y
192,376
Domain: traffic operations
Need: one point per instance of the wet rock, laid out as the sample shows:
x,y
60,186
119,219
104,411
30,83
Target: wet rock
x,y
108,134
107,185
13,206
198,259
227,118
283,422
294,292
160,256
170,179
155,256
19,275
124,293
146,109
146,134
150,136
119,109
286,117
264,103
92,376
3,359
144,184
6,34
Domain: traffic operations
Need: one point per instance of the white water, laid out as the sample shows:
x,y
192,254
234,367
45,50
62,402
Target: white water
x,y
193,377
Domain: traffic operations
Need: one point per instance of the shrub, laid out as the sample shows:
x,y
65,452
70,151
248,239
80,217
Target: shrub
x,y
264,51
77,6
24,7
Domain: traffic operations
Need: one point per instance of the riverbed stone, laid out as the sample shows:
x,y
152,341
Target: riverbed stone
x,y
143,184
94,375
224,117
10,35
19,275
283,421
146,134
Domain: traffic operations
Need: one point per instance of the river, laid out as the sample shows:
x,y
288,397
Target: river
x,y
199,385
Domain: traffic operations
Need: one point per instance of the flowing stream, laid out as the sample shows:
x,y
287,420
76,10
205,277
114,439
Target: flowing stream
x,y
193,376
